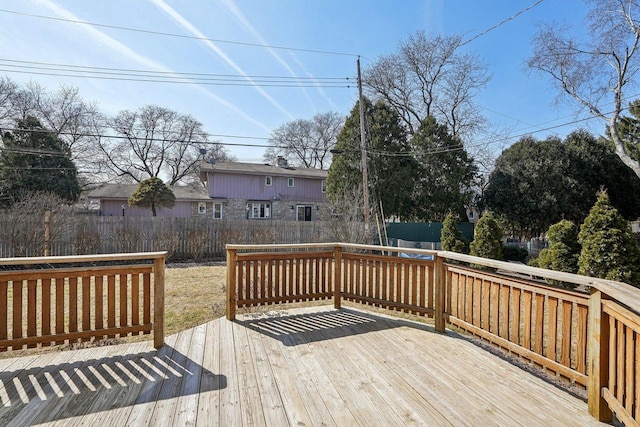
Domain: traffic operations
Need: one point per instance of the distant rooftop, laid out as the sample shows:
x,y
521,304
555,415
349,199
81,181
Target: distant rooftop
x,y
124,191
262,169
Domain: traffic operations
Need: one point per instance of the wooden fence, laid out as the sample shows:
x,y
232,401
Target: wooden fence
x,y
52,300
591,340
193,237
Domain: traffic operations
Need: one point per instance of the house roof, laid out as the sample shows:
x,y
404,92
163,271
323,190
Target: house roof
x,y
124,191
262,169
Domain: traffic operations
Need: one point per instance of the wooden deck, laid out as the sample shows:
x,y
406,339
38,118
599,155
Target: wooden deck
x,y
315,366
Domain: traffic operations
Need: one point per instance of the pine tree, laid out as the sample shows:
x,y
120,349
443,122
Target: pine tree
x,y
563,251
451,238
34,160
152,193
487,238
609,250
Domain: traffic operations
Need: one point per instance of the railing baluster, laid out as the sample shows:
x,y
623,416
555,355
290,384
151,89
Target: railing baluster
x,y
4,314
86,303
99,301
32,308
135,299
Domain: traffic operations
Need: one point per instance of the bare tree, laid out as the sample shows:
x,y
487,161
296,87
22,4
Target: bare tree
x,y
153,142
306,143
70,118
598,72
8,95
429,77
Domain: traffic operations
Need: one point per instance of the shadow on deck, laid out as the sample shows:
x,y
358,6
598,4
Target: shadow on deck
x,y
92,385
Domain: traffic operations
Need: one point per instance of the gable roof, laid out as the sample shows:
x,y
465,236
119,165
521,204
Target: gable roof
x,y
124,191
261,169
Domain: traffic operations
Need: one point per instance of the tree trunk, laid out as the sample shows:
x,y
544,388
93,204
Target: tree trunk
x,y
620,151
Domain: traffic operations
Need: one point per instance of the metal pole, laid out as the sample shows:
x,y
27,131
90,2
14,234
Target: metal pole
x,y
363,150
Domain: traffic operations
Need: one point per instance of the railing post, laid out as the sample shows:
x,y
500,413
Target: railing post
x,y
439,293
337,274
231,284
158,302
597,357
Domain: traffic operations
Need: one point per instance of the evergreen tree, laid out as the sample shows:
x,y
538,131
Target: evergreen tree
x,y
487,238
152,193
390,169
451,238
444,175
563,251
35,160
609,250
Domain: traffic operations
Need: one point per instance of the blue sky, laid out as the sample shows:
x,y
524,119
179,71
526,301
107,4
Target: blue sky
x,y
515,102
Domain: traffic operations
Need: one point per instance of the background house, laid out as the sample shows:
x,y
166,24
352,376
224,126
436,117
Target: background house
x,y
190,201
262,191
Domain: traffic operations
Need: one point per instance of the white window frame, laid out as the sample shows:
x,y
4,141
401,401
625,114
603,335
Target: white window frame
x,y
323,185
215,211
259,210
202,208
268,181
291,182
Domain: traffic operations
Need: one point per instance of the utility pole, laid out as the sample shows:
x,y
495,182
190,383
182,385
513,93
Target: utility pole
x,y
363,151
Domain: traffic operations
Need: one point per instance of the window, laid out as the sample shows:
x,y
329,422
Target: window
x,y
202,208
259,210
217,210
290,182
268,181
303,213
324,186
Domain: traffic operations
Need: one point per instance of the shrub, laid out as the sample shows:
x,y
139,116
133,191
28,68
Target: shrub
x,y
515,253
563,251
487,238
451,238
609,250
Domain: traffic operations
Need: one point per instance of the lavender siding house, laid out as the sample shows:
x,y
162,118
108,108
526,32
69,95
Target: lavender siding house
x,y
262,191
190,201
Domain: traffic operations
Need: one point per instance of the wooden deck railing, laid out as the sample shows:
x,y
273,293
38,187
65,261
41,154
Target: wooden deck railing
x,y
591,340
51,300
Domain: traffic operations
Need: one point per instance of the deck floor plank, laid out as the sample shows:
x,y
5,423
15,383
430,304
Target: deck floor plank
x,y
230,410
309,366
212,381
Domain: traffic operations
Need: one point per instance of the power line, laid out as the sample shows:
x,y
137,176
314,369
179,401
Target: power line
x,y
161,33
499,24
248,84
162,74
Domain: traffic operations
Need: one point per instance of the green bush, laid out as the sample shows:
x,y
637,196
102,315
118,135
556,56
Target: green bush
x,y
451,238
515,253
563,251
609,250
487,238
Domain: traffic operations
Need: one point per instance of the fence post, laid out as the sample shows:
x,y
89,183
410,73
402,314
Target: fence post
x,y
597,357
439,294
231,284
158,301
337,274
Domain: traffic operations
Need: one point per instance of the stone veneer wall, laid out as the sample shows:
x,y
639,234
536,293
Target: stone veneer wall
x,y
280,210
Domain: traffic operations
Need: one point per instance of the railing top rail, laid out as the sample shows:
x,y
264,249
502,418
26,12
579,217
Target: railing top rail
x,y
331,245
231,246
82,258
